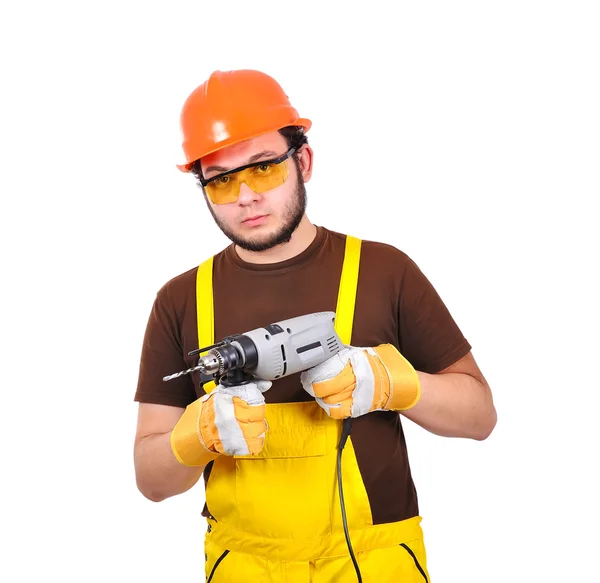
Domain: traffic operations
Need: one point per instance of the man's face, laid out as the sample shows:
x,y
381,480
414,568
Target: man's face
x,y
257,222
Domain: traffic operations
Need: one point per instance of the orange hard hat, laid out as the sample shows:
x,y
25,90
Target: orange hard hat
x,y
232,106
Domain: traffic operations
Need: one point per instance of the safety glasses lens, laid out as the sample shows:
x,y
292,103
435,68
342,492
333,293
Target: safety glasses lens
x,y
261,177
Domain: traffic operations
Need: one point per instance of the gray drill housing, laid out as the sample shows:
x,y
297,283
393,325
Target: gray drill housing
x,y
291,346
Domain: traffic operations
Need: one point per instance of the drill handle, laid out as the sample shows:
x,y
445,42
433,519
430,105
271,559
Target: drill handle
x,y
235,378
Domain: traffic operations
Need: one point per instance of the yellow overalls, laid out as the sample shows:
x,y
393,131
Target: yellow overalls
x,y
277,515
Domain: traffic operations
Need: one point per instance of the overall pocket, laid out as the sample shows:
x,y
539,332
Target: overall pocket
x,y
225,566
289,490
405,563
283,492
211,567
419,563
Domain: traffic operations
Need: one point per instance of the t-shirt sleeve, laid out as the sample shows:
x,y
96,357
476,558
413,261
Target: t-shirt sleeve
x,y
430,339
162,355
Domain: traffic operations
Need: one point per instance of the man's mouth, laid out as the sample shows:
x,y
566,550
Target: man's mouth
x,y
254,220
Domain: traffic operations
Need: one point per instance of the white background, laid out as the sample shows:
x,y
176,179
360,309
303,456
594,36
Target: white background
x,y
464,133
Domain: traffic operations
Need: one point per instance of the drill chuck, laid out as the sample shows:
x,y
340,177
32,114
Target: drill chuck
x,y
211,363
237,352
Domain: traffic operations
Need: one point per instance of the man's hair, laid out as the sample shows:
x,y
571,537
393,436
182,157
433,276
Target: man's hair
x,y
294,136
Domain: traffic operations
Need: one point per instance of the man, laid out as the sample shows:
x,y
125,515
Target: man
x,y
268,450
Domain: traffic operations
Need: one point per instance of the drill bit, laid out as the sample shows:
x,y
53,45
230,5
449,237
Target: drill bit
x,y
200,367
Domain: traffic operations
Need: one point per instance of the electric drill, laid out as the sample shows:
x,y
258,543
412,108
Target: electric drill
x,y
270,352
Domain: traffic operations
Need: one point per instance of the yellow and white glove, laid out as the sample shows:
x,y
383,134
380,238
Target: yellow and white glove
x,y
356,381
228,420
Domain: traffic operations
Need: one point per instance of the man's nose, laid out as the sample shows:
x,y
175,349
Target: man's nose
x,y
247,196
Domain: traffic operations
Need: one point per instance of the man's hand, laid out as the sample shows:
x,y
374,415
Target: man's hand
x,y
357,381
228,420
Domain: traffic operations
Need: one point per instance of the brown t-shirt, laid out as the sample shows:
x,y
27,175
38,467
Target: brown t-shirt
x,y
395,304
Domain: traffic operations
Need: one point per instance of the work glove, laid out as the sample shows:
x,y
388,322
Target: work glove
x,y
356,381
228,420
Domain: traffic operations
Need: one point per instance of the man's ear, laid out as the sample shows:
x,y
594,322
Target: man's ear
x,y
305,162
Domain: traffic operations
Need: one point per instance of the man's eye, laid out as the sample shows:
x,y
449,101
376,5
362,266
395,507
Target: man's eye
x,y
263,168
221,181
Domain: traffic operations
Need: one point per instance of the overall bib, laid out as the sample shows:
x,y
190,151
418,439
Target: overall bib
x,y
276,517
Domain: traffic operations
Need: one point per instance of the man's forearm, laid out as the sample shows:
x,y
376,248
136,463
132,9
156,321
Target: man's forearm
x,y
454,405
158,473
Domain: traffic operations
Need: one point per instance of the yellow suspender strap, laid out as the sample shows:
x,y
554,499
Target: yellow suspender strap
x,y
205,304
344,318
345,303
205,309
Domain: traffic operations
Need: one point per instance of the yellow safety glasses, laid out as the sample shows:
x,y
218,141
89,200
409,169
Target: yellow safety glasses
x,y
259,176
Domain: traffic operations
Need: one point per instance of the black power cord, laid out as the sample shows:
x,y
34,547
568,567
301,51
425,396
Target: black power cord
x,y
346,428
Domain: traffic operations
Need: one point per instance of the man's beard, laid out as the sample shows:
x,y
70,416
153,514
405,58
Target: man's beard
x,y
292,217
